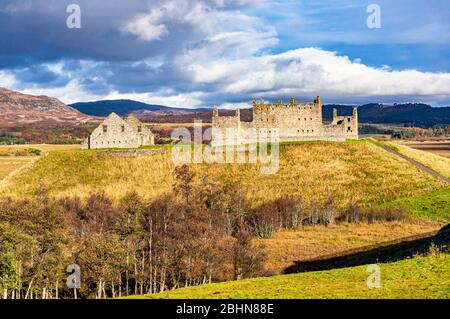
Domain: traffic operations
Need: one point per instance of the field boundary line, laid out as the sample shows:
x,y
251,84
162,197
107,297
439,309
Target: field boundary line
x,y
417,164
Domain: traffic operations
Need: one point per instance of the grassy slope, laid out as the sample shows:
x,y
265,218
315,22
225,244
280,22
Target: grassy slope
x,y
420,277
433,205
352,171
438,163
306,243
10,164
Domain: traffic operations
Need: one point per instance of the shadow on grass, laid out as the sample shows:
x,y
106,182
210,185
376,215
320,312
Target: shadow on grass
x,y
383,253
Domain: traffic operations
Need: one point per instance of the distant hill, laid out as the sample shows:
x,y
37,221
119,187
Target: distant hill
x,y
17,109
417,114
412,113
125,107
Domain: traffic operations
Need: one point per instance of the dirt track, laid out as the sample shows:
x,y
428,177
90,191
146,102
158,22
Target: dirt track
x,y
420,166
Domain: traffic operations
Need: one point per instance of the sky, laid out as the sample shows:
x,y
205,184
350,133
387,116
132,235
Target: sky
x,y
187,53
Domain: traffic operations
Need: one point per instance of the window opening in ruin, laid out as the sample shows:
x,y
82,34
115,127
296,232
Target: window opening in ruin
x,y
139,129
105,128
123,128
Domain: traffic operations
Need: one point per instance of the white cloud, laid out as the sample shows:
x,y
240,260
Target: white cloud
x,y
146,28
303,73
164,97
74,92
7,79
70,93
218,23
313,71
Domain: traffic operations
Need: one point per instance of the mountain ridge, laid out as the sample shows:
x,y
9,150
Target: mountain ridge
x,y
18,108
403,113
125,106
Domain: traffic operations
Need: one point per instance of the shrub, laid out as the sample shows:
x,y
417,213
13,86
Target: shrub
x,y
355,213
34,151
268,218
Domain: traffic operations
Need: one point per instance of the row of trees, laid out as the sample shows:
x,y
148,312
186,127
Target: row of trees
x,y
131,247
200,232
41,133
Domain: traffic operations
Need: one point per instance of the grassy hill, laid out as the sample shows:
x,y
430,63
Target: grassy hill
x,y
315,171
420,277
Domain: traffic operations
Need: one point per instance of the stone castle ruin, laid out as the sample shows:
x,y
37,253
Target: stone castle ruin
x,y
117,132
288,122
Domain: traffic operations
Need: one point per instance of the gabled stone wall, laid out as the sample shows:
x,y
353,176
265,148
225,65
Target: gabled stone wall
x,y
115,132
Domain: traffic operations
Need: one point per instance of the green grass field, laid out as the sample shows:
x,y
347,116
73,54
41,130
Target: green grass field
x,y
419,277
433,205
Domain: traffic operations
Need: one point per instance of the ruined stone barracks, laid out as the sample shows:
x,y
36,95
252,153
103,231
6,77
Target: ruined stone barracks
x,y
289,122
117,132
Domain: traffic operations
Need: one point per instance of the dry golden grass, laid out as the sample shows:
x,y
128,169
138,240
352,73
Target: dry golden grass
x,y
438,163
312,242
9,164
55,147
78,173
314,171
317,171
43,147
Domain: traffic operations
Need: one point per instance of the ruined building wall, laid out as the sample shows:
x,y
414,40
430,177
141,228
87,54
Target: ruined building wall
x,y
115,132
291,122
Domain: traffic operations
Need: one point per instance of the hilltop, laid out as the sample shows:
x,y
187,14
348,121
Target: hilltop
x,y
125,107
315,171
419,114
22,109
415,114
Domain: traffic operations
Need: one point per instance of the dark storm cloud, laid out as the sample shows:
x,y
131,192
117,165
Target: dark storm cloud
x,y
42,75
35,31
